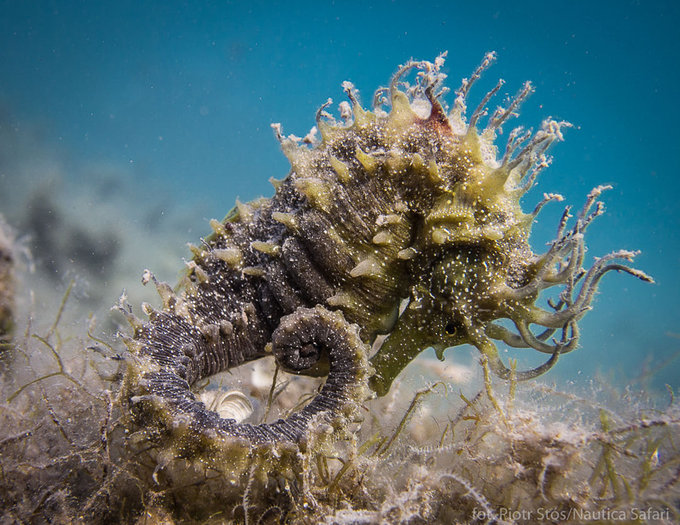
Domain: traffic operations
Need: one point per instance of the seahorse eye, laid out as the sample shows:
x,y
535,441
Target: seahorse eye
x,y
451,328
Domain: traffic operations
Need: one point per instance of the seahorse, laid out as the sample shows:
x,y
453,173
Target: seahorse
x,y
404,224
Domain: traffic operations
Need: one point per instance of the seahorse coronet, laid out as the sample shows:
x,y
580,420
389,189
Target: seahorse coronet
x,y
407,205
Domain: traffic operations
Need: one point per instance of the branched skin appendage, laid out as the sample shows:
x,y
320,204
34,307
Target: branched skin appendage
x,y
407,207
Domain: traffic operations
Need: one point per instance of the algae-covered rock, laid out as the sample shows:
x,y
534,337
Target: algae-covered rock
x,y
6,281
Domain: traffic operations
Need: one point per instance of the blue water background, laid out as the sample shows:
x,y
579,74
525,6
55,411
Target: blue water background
x,y
182,95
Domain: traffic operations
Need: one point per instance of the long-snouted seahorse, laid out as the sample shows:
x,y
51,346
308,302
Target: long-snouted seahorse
x,y
403,223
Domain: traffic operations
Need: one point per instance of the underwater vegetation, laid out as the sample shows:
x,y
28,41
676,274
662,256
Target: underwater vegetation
x,y
394,231
6,281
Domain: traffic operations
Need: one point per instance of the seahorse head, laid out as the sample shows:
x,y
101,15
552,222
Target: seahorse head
x,y
468,263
